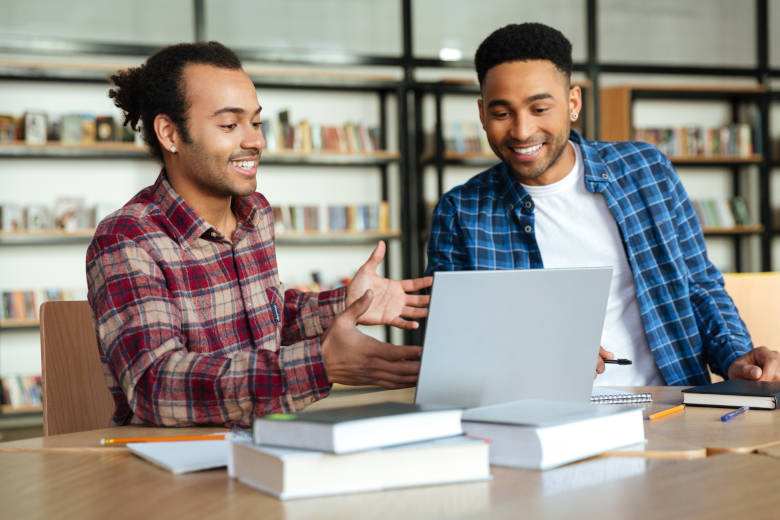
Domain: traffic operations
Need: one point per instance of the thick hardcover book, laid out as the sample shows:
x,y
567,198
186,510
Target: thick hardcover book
x,y
354,428
539,434
735,393
288,473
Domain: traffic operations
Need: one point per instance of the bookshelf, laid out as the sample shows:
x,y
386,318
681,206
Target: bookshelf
x,y
617,119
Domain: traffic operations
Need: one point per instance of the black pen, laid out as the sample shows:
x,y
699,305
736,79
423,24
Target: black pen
x,y
618,361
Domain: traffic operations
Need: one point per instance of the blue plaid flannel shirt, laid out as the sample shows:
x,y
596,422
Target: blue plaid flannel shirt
x,y
689,320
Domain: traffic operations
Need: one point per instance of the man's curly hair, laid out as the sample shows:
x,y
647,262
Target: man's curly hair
x,y
522,42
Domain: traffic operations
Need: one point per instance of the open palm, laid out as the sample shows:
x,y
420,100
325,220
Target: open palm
x,y
391,302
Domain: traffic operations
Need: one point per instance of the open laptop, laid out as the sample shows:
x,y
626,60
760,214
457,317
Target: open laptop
x,y
497,336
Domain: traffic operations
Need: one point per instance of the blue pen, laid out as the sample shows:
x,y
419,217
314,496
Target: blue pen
x,y
734,413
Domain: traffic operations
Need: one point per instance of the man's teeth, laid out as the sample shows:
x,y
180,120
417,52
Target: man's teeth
x,y
530,149
243,164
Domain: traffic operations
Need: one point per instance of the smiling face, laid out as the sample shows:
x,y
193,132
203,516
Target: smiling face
x,y
525,110
226,140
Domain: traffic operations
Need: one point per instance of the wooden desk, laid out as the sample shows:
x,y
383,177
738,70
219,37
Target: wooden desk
x,y
693,433
73,485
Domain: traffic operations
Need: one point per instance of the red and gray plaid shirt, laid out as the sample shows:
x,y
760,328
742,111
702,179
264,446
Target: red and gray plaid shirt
x,y
194,328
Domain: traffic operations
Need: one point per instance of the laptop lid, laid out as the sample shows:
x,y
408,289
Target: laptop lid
x,y
498,336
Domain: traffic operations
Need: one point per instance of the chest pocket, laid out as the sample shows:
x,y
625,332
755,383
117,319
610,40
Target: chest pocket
x,y
267,319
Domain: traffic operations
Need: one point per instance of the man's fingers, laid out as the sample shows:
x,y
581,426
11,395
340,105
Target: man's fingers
x,y
403,324
751,371
397,368
415,284
414,312
418,300
359,306
390,352
377,255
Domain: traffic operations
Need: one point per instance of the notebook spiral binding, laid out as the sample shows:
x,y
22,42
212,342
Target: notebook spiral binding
x,y
621,398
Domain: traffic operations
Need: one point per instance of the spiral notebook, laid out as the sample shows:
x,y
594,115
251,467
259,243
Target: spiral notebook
x,y
606,395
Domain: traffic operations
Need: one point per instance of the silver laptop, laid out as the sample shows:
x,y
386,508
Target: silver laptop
x,y
497,336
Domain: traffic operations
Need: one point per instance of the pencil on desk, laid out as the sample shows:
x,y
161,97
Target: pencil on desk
x,y
664,413
174,438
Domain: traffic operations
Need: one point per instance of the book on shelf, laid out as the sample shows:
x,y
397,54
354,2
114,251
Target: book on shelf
x,y
735,393
301,218
24,304
307,136
537,434
66,214
355,428
733,140
290,473
721,212
18,390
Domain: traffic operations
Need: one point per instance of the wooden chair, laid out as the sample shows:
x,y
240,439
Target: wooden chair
x,y
75,394
757,297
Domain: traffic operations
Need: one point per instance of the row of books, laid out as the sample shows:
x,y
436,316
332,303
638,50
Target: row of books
x,y
734,140
18,391
722,212
465,137
66,214
321,218
37,127
18,304
351,137
317,285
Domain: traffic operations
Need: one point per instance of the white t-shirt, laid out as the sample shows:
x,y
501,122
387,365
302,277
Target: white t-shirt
x,y
574,228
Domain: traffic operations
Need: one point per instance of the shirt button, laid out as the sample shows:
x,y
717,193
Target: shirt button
x,y
527,229
604,176
511,207
528,204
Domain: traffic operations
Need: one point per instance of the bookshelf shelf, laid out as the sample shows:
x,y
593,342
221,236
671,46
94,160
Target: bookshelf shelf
x,y
715,160
736,230
47,237
19,324
132,151
7,409
288,238
340,238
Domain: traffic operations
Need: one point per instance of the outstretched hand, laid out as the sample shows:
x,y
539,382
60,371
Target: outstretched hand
x,y
353,358
391,303
760,364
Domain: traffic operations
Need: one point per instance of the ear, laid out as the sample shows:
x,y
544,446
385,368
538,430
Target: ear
x,y
575,100
166,131
481,114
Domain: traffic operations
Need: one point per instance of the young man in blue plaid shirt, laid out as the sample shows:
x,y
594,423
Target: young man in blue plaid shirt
x,y
557,200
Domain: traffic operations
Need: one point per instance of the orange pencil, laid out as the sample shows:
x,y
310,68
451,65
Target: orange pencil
x,y
175,438
664,413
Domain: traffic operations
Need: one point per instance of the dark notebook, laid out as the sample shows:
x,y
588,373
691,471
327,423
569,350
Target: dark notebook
x,y
736,393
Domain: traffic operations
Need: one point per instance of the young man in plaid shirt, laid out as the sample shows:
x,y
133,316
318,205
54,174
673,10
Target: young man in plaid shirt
x,y
193,324
557,200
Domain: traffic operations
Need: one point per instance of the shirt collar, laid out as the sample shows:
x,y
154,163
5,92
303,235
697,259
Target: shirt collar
x,y
186,222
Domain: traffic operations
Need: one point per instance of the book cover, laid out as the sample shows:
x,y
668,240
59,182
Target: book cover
x,y
183,456
290,473
735,393
538,434
355,428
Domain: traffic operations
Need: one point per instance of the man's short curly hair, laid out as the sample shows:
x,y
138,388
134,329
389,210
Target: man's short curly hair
x,y
522,42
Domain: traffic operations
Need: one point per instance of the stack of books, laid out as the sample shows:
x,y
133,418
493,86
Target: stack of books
x,y
358,448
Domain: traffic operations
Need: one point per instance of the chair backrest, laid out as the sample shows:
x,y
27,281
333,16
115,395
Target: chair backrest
x,y
757,297
75,394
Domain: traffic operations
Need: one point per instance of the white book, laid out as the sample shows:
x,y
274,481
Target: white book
x,y
288,473
183,456
539,434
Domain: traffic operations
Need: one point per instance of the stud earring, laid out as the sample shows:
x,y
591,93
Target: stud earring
x,y
173,149
574,116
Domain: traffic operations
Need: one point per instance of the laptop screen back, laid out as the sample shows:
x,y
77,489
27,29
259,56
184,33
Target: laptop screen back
x,y
498,336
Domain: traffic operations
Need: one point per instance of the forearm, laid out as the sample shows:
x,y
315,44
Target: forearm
x,y
308,315
182,388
